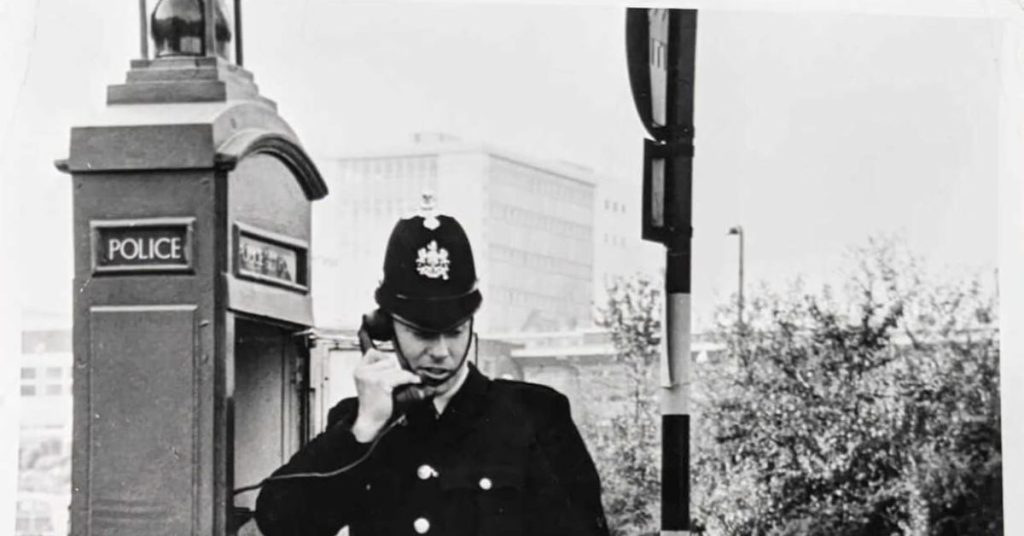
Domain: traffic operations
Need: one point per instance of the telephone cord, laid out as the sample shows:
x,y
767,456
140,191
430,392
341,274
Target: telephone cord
x,y
328,474
376,440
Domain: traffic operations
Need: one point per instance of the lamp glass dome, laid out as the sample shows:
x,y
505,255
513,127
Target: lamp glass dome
x,y
177,28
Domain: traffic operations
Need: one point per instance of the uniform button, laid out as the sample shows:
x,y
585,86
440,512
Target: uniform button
x,y
485,483
422,525
425,471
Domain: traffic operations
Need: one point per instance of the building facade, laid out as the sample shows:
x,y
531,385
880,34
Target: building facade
x,y
531,224
44,454
618,250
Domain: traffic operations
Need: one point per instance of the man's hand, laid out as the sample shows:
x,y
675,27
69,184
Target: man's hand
x,y
376,378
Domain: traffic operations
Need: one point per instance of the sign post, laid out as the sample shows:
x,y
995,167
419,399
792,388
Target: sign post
x,y
661,52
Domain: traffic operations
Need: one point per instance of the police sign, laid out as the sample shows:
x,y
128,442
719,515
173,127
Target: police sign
x,y
661,54
148,245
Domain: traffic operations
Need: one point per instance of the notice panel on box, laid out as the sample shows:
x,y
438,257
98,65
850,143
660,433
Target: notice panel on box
x,y
270,258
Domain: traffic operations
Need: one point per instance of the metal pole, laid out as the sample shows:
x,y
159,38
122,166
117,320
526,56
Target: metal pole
x,y
238,32
210,27
143,30
738,231
741,279
675,397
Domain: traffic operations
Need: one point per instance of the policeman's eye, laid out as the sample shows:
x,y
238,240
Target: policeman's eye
x,y
455,332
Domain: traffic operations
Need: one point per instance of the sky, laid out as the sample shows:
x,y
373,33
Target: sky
x,y
819,123
816,129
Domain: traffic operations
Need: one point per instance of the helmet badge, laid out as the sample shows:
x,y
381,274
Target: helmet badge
x,y
428,207
432,261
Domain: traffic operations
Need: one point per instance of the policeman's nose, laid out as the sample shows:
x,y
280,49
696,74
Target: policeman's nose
x,y
439,349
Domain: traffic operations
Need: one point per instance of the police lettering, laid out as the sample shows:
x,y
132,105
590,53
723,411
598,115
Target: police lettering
x,y
143,249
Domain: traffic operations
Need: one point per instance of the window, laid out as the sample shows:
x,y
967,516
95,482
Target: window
x,y
28,390
28,373
53,389
53,372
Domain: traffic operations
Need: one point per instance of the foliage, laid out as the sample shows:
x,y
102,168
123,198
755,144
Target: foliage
x,y
874,413
868,409
626,444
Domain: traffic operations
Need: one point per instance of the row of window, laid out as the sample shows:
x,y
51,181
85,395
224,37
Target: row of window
x,y
558,288
534,240
542,183
614,240
614,206
548,303
32,373
367,190
522,217
381,208
392,167
537,261
45,381
47,389
33,524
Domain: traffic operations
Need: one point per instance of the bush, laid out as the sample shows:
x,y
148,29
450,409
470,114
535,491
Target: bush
x,y
871,409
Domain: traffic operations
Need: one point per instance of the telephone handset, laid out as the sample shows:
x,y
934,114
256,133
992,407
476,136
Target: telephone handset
x,y
377,326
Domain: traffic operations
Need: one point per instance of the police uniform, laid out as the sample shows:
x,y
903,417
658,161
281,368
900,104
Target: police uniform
x,y
503,458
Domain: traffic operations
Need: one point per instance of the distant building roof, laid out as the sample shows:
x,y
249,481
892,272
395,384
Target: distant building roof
x,y
439,143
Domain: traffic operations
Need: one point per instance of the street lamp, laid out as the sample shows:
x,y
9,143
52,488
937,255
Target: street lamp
x,y
179,29
738,231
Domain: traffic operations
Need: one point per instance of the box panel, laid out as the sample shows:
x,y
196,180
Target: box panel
x,y
143,408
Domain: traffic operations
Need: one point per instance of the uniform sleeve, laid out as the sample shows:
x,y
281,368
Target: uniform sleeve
x,y
316,506
577,503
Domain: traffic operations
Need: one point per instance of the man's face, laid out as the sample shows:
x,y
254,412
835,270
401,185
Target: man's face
x,y
434,356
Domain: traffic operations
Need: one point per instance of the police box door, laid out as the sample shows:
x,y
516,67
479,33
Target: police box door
x,y
271,406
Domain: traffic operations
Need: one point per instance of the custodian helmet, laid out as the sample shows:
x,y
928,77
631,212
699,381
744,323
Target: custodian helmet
x,y
429,274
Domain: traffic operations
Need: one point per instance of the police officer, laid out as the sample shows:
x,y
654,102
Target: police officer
x,y
431,445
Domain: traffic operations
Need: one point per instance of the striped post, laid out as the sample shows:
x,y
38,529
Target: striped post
x,y
661,55
675,396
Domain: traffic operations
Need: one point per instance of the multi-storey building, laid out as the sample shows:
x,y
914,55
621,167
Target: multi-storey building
x,y
44,466
618,250
531,223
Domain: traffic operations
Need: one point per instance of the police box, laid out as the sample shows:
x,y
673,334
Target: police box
x,y
192,202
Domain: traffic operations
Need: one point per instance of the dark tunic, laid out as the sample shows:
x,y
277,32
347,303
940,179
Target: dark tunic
x,y
504,458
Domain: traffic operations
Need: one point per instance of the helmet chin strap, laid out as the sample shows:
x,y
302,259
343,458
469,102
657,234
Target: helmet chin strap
x,y
435,383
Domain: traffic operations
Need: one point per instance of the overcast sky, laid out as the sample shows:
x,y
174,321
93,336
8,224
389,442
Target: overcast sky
x,y
816,129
